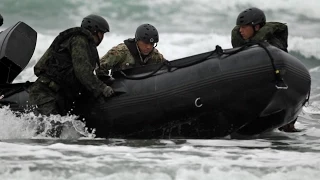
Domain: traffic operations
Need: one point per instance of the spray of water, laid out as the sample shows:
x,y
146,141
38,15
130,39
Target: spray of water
x,y
27,125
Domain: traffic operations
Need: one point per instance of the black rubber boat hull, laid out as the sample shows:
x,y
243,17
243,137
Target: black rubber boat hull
x,y
219,96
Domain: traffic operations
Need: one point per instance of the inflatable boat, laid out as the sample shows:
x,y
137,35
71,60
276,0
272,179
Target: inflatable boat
x,y
246,90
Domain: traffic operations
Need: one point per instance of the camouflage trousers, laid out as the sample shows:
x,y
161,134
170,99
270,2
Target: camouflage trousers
x,y
47,99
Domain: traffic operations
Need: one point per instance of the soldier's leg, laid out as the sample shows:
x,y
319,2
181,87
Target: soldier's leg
x,y
46,102
41,96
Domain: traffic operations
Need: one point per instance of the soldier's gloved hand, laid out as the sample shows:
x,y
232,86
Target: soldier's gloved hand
x,y
107,91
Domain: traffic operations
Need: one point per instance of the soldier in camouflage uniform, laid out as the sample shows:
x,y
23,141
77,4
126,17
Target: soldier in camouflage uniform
x,y
252,27
134,52
66,68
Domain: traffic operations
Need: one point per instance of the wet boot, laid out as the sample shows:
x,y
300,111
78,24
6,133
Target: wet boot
x,y
289,127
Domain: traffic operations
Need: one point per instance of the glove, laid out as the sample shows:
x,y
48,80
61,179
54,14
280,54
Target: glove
x,y
107,91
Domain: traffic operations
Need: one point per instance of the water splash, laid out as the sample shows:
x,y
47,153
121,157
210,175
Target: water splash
x,y
16,125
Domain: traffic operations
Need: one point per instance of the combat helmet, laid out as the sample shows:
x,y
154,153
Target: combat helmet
x,y
147,33
252,16
95,23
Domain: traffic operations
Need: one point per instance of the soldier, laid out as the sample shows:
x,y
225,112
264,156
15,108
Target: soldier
x,y
252,27
66,68
133,52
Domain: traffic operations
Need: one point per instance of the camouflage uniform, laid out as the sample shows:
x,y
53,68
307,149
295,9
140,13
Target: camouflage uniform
x,y
65,71
126,55
274,32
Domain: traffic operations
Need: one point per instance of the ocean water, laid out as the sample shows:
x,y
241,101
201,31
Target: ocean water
x,y
186,27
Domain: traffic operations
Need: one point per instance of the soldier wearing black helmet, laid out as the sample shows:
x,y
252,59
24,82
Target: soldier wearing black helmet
x,y
133,52
67,68
251,25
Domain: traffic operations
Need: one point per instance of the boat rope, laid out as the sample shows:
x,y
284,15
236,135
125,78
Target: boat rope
x,y
169,66
279,82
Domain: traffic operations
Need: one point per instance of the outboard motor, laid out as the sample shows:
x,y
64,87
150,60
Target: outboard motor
x,y
17,45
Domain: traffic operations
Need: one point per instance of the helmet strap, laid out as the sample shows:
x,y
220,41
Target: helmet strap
x,y
254,30
141,59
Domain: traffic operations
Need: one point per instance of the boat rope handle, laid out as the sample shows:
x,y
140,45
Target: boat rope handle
x,y
279,82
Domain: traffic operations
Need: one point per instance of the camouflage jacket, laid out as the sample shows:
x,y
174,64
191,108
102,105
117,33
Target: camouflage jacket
x,y
273,32
70,62
126,55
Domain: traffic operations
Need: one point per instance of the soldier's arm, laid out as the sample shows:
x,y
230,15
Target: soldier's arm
x,y
109,61
83,68
39,67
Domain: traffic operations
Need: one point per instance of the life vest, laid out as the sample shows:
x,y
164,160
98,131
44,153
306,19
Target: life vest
x,y
56,63
139,61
